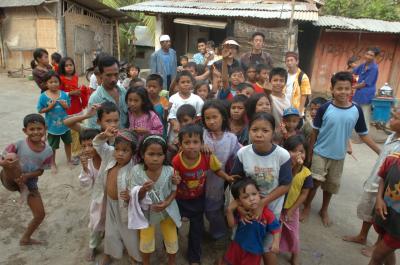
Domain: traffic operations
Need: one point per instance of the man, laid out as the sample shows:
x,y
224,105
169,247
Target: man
x,y
231,49
109,90
163,61
200,57
298,86
366,85
256,55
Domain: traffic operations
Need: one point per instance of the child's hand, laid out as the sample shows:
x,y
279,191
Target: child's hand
x,y
147,186
159,207
64,104
22,179
282,126
232,178
299,160
92,110
84,162
381,208
287,216
51,103
141,131
275,247
110,132
206,149
176,178
245,215
124,195
175,126
75,92
225,52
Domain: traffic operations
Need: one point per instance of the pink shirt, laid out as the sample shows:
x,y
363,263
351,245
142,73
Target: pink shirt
x,y
150,121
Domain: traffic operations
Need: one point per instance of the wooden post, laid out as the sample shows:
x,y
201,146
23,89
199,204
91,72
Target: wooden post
x,y
158,32
118,43
290,30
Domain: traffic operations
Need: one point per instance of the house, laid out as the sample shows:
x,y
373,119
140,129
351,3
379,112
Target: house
x,y
144,45
76,28
187,20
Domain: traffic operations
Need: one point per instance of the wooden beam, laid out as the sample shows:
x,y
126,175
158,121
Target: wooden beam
x,y
118,43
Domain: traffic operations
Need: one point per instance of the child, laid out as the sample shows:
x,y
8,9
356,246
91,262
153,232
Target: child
x,y
301,185
277,78
142,118
387,219
132,72
269,165
183,60
40,66
114,176
136,82
191,165
55,103
79,97
288,127
95,80
238,119
154,84
91,161
235,78
202,89
315,104
258,103
55,60
184,81
251,74
192,68
245,89
155,178
261,85
224,145
332,128
247,246
23,163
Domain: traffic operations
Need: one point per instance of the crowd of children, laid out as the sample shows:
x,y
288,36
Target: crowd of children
x,y
234,152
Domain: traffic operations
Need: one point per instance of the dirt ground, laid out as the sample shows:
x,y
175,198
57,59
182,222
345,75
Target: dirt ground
x,y
66,203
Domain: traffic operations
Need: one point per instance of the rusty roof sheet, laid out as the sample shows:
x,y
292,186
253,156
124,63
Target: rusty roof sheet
x,y
225,8
359,24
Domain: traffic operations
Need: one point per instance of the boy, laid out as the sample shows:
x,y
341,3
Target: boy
x,y
235,78
367,202
313,107
262,72
251,74
332,128
290,123
23,163
277,78
247,245
245,89
192,68
154,84
200,58
55,60
183,61
192,165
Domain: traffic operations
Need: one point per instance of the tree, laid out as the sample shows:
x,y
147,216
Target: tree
x,y
377,9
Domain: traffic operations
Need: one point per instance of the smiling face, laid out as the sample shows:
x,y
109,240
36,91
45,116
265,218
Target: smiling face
x,y
277,84
237,78
35,131
154,156
341,92
394,122
201,47
250,197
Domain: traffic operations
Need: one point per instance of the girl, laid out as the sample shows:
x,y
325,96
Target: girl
x,y
258,103
269,165
142,118
301,185
202,89
78,96
55,103
155,178
132,71
40,66
224,145
238,119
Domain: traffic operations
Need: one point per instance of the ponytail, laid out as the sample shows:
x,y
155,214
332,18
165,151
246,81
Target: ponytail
x,y
33,64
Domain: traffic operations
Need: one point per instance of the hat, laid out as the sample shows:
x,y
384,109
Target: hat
x,y
292,54
164,38
290,111
231,42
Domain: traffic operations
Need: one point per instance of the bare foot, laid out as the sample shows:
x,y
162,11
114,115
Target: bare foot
x,y
70,165
325,218
305,214
295,260
30,241
53,169
106,260
355,239
90,255
367,251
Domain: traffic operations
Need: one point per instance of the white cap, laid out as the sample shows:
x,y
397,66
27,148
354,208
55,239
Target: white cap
x,y
164,38
231,42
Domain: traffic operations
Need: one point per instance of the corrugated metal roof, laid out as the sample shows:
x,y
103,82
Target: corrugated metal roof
x,y
15,3
362,24
233,8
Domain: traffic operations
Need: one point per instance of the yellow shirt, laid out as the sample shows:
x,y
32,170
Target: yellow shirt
x,y
296,187
299,90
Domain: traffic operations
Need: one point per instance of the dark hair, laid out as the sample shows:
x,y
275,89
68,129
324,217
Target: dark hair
x,y
135,81
211,43
95,62
240,186
238,99
318,101
147,106
200,69
252,65
279,71
33,118
185,110
56,57
242,86
260,67
133,143
200,84
201,40
218,105
149,140
96,71
61,68
88,134
191,65
191,130
252,103
37,54
257,33
183,57
295,140
129,67
235,70
49,75
375,50
292,54
183,73
263,116
106,61
341,76
106,108
155,77
351,60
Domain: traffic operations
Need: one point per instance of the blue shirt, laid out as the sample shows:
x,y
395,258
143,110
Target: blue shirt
x,y
369,76
199,58
166,59
335,125
55,117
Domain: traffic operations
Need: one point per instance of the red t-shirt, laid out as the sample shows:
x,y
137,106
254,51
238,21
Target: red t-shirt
x,y
78,103
258,89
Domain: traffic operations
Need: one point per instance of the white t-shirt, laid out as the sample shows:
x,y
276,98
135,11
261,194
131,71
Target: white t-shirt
x,y
93,82
176,100
289,86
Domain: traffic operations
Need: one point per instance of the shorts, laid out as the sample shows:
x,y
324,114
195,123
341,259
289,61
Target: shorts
x,y
235,255
54,140
389,240
365,207
169,233
328,171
